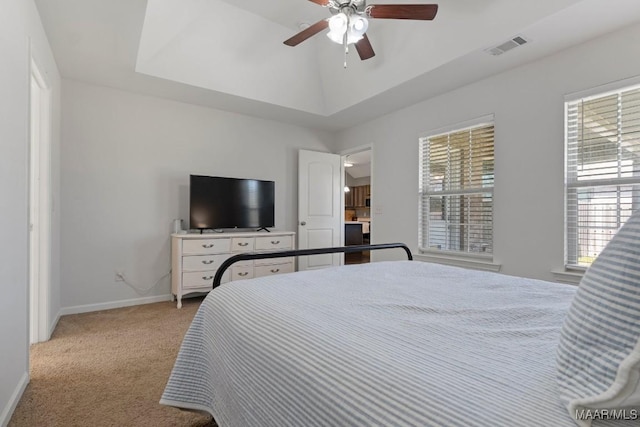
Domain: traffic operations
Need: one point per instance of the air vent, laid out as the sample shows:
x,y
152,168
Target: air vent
x,y
507,46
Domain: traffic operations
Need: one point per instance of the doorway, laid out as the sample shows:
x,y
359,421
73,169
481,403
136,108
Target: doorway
x,y
39,205
357,203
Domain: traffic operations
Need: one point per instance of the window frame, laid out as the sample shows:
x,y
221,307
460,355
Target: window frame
x,y
594,93
487,120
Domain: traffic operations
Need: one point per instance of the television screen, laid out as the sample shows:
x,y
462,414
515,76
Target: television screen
x,y
217,202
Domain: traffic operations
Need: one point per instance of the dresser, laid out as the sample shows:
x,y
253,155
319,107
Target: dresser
x,y
195,258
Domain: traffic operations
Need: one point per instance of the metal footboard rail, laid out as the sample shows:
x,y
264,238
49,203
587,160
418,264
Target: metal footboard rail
x,y
248,256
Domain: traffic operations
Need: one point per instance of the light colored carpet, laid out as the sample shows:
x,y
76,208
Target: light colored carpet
x,y
108,368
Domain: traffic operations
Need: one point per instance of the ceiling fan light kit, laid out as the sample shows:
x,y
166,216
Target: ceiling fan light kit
x,y
349,23
342,24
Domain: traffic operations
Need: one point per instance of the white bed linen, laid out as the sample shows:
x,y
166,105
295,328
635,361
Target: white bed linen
x,y
385,344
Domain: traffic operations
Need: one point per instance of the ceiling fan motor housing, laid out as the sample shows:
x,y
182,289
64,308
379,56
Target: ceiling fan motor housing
x,y
348,6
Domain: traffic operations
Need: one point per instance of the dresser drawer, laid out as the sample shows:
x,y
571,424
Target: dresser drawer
x,y
271,261
272,269
203,262
201,279
275,242
240,272
205,246
242,244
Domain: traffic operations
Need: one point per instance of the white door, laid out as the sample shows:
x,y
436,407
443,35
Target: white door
x,y
319,207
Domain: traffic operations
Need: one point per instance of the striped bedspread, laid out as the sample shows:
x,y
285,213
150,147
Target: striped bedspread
x,y
381,344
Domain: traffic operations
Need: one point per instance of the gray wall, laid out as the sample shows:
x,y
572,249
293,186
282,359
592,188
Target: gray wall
x,y
20,32
125,176
528,104
353,182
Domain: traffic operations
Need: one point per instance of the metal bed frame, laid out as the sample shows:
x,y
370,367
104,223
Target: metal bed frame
x,y
300,252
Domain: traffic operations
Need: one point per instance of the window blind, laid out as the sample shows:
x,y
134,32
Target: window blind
x,y
456,190
603,171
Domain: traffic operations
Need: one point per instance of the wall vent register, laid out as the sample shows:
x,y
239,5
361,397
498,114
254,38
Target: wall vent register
x,y
507,46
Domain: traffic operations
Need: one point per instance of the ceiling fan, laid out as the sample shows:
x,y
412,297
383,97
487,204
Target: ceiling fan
x,y
349,23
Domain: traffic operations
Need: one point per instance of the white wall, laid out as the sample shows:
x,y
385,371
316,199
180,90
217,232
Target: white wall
x,y
126,161
353,182
528,103
20,31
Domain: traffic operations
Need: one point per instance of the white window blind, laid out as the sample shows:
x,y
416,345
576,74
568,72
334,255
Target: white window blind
x,y
456,191
603,171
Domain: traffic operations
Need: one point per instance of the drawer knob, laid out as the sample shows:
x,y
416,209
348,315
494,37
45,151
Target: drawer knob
x,y
275,270
243,244
207,277
207,261
275,242
208,246
244,273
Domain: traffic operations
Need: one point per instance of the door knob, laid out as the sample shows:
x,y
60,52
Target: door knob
x,y
303,223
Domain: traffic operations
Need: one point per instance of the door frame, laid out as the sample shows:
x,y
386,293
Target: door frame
x,y
344,154
39,196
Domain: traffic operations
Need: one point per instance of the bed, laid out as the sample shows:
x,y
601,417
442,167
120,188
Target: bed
x,y
401,343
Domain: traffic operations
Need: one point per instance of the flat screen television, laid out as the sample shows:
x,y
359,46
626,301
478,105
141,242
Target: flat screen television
x,y
218,202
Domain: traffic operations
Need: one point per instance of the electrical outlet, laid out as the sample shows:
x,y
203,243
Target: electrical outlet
x,y
119,277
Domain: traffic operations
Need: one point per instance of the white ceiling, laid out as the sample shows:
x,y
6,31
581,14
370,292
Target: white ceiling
x,y
229,54
361,162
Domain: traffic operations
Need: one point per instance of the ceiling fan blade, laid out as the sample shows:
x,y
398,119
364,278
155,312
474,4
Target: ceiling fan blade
x,y
307,32
364,48
321,2
425,12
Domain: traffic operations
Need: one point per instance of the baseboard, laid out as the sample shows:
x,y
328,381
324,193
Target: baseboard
x,y
7,412
115,304
53,325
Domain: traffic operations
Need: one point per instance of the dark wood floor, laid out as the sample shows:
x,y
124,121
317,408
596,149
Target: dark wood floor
x,y
357,257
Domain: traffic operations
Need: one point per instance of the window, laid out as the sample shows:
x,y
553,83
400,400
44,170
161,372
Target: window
x,y
602,170
456,191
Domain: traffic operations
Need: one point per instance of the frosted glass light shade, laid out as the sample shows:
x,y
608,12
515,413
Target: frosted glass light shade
x,y
335,37
354,26
358,26
338,23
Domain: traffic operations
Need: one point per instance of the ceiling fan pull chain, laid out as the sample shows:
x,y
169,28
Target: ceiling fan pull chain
x,y
346,47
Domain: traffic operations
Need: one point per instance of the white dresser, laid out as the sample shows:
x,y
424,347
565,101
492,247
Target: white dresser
x,y
196,257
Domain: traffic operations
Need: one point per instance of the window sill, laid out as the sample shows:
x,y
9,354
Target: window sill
x,y
568,275
466,261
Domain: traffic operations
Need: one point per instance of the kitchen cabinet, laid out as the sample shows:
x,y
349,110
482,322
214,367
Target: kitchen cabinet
x,y
358,196
348,198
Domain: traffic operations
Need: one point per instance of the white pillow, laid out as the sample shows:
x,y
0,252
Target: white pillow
x,y
598,356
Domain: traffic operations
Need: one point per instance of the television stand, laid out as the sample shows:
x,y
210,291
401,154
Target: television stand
x,y
264,228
